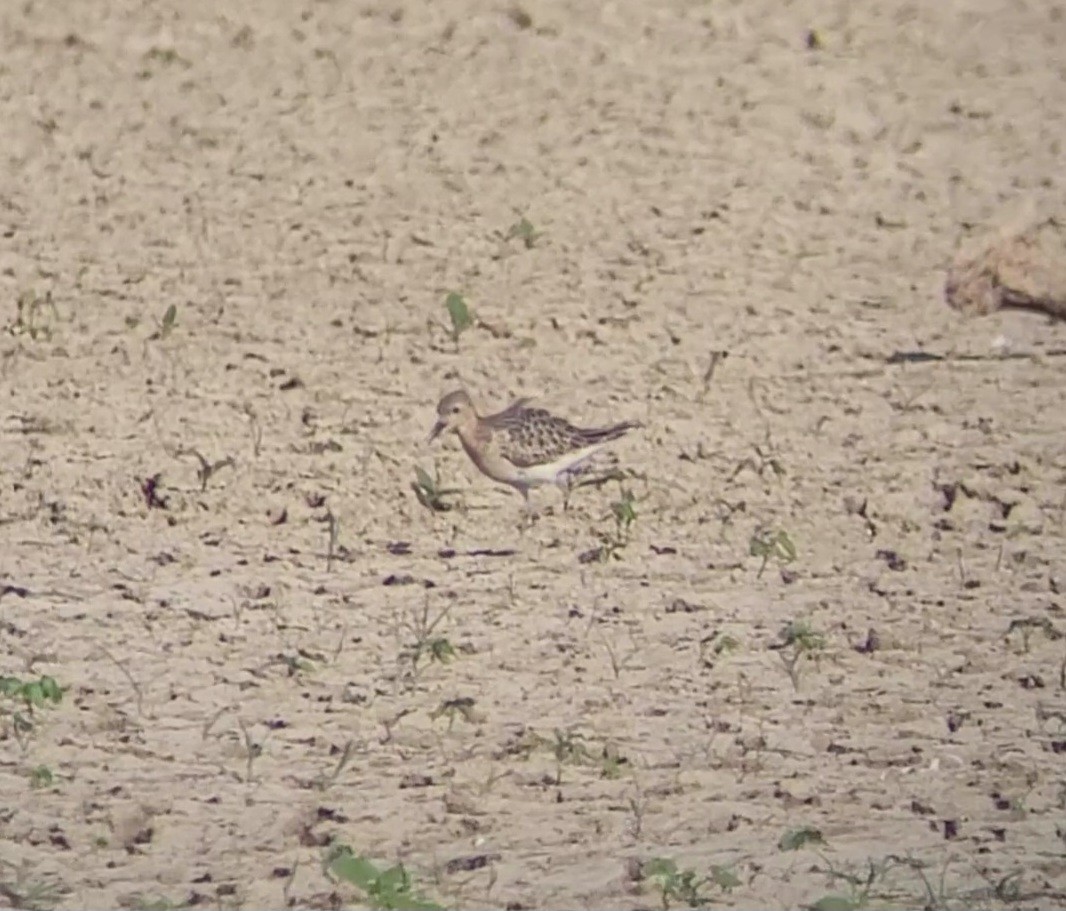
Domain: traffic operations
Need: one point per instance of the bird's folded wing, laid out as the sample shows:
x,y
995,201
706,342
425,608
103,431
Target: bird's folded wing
x,y
510,416
543,442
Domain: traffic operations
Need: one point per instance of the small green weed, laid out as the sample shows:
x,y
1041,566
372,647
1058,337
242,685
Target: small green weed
x,y
207,468
463,707
29,308
798,641
1026,626
295,663
28,696
439,649
33,694
614,540
726,645
387,889
764,460
41,777
165,55
459,314
686,886
170,317
794,839
612,763
22,889
425,641
429,492
624,513
777,545
326,779
873,883
524,231
716,646
571,748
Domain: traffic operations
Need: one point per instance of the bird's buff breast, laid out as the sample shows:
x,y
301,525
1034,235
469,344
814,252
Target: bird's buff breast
x,y
490,463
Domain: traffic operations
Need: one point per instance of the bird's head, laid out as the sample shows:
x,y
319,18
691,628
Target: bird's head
x,y
454,412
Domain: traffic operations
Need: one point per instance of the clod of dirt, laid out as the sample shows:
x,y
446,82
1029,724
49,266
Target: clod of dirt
x,y
1021,266
949,492
140,837
681,606
132,826
521,19
469,864
407,579
870,644
150,492
999,801
448,553
853,506
311,839
892,560
415,780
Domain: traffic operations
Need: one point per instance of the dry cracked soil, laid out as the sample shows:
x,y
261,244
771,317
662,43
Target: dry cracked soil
x,y
827,657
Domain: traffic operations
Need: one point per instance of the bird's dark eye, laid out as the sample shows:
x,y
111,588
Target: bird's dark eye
x,y
455,409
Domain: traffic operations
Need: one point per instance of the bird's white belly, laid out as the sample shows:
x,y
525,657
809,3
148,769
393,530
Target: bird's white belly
x,y
553,472
535,475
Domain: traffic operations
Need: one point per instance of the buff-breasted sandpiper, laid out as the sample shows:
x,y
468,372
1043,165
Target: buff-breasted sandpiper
x,y
524,447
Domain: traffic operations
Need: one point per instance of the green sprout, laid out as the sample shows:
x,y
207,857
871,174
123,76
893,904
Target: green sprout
x,y
777,545
613,542
386,889
686,886
459,314
429,492
169,319
524,231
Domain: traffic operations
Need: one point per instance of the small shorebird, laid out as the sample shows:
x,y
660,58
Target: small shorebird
x,y
524,447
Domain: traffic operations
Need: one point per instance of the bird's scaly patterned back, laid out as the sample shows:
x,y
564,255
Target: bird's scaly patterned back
x,y
532,436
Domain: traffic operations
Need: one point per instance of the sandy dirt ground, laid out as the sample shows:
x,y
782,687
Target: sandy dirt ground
x,y
289,652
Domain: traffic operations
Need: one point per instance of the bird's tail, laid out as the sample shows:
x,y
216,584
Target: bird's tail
x,y
595,471
606,434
